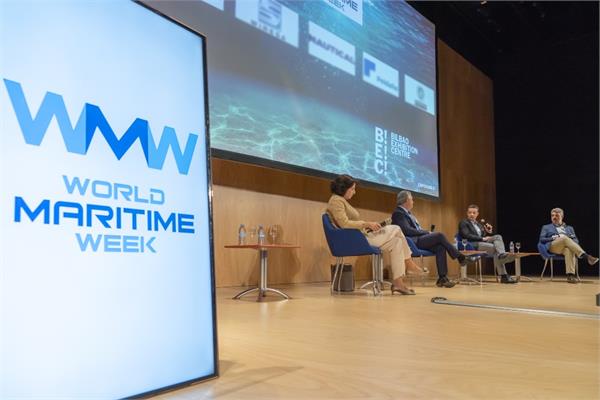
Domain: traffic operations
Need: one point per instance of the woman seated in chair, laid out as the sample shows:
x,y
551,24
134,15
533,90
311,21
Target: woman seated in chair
x,y
389,239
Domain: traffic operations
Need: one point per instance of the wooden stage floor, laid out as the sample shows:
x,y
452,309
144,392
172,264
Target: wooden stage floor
x,y
356,346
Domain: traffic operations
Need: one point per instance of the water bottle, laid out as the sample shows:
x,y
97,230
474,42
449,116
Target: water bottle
x,y
261,235
242,235
511,246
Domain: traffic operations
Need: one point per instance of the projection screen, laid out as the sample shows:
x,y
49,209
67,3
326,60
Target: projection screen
x,y
322,87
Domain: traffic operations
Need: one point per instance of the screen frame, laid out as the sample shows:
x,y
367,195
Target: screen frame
x,y
215,374
280,165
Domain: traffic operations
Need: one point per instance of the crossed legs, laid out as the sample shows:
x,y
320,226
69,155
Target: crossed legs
x,y
569,249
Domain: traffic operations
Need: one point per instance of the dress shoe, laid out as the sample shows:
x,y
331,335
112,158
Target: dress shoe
x,y
405,291
592,260
571,278
507,279
445,282
462,260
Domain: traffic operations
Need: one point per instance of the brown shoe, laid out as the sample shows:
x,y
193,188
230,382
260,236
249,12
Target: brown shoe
x,y
592,260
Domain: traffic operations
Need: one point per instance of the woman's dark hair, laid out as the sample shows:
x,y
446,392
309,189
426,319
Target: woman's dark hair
x,y
341,184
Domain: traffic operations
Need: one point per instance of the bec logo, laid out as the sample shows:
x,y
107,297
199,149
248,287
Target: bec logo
x,y
78,139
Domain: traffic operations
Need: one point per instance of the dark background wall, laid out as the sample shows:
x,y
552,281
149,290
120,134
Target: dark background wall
x,y
543,60
546,119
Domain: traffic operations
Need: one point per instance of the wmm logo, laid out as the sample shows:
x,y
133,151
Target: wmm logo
x,y
78,139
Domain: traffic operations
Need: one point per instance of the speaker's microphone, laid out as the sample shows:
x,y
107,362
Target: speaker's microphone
x,y
486,226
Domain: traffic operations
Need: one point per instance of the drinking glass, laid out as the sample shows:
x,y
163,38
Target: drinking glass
x,y
273,231
252,233
518,246
464,243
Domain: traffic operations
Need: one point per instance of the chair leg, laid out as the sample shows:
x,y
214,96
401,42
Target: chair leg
x,y
340,274
381,280
374,267
377,272
423,275
544,269
551,270
339,262
496,274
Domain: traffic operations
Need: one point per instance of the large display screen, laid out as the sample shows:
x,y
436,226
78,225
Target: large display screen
x,y
106,271
323,86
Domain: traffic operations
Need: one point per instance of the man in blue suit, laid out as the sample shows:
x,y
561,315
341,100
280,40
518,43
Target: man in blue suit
x,y
560,238
435,242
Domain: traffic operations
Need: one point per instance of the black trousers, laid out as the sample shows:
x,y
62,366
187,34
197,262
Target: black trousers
x,y
437,243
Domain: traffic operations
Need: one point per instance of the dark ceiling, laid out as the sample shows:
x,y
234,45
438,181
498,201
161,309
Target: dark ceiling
x,y
486,31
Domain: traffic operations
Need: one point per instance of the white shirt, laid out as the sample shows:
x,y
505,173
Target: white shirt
x,y
476,227
561,230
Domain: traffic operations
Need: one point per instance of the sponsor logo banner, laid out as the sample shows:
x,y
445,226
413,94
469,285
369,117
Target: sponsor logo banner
x,y
352,9
380,75
270,17
419,95
329,48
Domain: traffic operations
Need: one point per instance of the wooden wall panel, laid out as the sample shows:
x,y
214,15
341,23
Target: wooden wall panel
x,y
256,195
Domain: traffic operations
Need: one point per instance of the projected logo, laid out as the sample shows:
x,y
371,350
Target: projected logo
x,y
79,138
380,75
270,17
269,13
329,48
419,95
352,9
393,144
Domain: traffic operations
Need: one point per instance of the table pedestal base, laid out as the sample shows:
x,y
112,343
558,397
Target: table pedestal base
x,y
262,293
262,288
463,279
518,271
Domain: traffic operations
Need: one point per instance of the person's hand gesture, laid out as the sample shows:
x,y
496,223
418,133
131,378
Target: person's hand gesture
x,y
374,226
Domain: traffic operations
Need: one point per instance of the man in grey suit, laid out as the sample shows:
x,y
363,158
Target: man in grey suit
x,y
560,238
481,238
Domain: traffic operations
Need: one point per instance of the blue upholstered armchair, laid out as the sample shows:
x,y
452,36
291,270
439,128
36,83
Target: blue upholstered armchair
x,y
351,242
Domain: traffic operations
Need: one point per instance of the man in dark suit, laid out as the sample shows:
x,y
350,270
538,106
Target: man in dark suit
x,y
560,238
435,242
481,238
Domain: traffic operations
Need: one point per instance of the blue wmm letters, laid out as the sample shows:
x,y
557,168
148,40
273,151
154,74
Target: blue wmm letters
x,y
78,139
